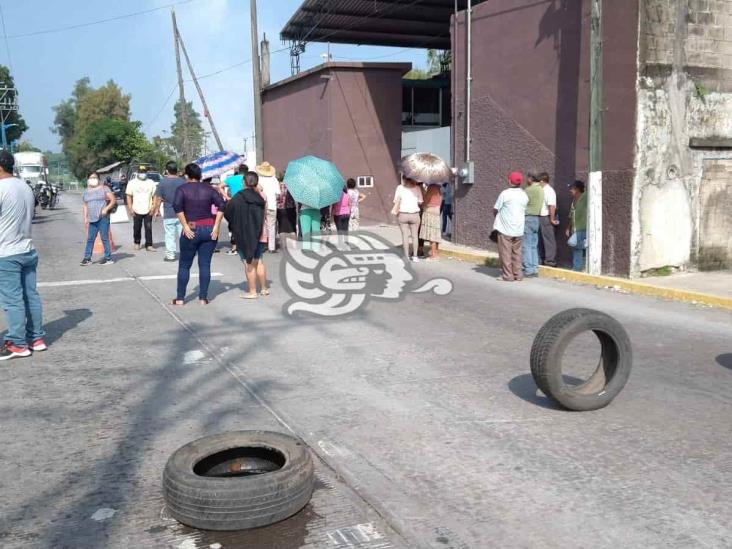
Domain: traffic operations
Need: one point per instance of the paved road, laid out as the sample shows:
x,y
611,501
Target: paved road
x,y
427,429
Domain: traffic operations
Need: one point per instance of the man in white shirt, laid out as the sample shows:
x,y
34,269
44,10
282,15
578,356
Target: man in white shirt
x,y
510,212
140,193
271,188
548,221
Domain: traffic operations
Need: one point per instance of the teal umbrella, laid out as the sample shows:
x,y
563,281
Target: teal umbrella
x,y
314,182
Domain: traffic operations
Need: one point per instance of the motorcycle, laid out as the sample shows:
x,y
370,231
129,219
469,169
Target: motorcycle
x,y
46,194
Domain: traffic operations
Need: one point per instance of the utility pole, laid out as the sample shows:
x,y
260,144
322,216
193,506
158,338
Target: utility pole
x,y
257,77
206,112
594,188
8,105
182,100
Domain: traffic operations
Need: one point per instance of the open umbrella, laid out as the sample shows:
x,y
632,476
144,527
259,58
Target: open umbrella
x,y
314,182
219,163
425,168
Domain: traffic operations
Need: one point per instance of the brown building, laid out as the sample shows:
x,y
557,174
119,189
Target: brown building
x,y
348,113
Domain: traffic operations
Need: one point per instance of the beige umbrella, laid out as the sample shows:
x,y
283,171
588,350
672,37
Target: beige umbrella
x,y
425,168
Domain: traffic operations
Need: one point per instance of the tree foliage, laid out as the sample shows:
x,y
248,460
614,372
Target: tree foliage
x,y
195,133
95,129
14,133
26,146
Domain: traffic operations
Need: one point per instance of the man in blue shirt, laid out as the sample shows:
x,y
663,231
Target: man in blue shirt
x,y
235,183
165,193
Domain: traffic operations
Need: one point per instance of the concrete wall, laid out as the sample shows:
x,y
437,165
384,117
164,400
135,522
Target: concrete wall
x,y
349,113
684,92
434,140
530,110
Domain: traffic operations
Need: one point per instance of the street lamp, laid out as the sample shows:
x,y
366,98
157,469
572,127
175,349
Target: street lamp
x,y
5,140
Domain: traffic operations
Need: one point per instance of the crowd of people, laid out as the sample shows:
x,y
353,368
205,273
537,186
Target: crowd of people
x,y
526,221
257,206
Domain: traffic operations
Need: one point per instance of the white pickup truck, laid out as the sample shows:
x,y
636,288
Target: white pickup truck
x,y
31,166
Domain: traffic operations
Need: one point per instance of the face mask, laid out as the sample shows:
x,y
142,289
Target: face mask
x,y
93,182
142,176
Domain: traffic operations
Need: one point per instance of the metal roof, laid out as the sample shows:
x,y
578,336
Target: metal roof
x,y
400,23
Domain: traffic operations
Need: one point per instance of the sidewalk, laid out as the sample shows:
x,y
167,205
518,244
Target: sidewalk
x,y
713,289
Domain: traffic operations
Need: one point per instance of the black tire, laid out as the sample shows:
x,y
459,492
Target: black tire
x,y
201,489
612,371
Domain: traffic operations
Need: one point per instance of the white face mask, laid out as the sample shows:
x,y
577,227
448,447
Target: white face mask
x,y
142,176
93,182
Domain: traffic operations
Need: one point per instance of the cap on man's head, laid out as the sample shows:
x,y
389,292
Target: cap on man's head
x,y
7,161
516,178
142,169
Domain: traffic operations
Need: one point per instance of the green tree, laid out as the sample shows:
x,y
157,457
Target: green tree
x,y
439,61
26,146
14,133
417,74
195,133
109,140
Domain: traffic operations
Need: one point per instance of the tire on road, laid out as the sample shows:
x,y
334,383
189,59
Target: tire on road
x,y
613,368
238,480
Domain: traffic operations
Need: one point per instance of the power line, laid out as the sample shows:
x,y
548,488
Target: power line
x,y
5,36
100,21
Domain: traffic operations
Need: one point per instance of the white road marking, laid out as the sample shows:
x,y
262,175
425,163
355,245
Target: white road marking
x,y
110,280
354,536
103,514
191,357
215,546
188,544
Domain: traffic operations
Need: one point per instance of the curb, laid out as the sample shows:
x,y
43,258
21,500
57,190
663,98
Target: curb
x,y
630,286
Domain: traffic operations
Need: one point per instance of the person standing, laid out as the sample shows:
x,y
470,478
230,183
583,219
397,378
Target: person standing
x,y
139,204
271,188
429,229
341,212
193,204
165,194
531,226
245,214
355,196
18,264
510,213
286,212
407,206
548,221
98,201
235,184
577,230
446,208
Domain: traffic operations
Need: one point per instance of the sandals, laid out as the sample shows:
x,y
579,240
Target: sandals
x,y
178,303
264,292
203,301
248,296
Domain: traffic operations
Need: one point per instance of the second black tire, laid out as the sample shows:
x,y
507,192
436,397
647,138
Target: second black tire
x,y
238,480
612,371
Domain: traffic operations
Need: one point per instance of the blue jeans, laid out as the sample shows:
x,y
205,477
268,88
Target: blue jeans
x,y
202,245
578,254
19,298
531,245
173,229
100,227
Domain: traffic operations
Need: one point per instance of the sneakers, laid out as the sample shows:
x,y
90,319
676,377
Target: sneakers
x,y
38,345
86,261
107,261
169,259
232,252
415,259
10,350
137,247
149,249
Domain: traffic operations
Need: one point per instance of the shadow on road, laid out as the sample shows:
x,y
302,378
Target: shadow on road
x,y
523,386
71,319
725,360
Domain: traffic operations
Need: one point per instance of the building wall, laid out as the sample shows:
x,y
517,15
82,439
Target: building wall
x,y
434,140
366,109
530,110
684,92
296,121
348,115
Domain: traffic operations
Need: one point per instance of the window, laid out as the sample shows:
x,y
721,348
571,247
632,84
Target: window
x,y
365,181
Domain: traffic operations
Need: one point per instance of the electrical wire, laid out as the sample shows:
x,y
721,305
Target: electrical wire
x,y
101,21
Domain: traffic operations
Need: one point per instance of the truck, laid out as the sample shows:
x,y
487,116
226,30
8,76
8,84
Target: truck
x,y
31,166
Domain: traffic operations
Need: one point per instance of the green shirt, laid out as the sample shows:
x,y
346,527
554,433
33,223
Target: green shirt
x,y
578,214
536,198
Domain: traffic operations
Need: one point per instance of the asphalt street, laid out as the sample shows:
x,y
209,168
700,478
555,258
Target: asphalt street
x,y
425,425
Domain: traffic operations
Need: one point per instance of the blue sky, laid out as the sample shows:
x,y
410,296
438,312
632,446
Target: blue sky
x,y
137,52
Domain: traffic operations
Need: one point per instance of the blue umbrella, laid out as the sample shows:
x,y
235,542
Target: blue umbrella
x,y
218,163
314,182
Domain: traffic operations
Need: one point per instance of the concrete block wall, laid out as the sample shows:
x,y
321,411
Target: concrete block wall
x,y
684,92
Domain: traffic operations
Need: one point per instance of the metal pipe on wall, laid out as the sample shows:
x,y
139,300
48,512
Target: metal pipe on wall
x,y
469,75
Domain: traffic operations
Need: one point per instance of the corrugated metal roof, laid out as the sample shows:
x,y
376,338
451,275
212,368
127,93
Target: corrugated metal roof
x,y
401,23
